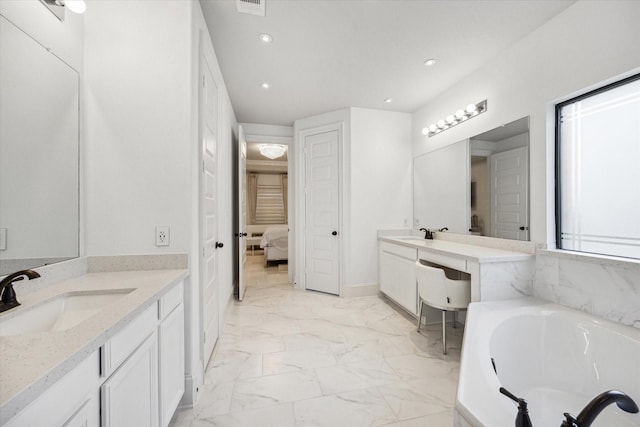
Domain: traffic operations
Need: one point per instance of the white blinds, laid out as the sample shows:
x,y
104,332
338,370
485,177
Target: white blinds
x,y
270,200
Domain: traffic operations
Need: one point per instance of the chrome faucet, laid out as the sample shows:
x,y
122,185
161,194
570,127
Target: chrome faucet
x,y
7,293
428,234
593,408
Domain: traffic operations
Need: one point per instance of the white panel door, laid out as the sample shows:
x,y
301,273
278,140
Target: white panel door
x,y
322,203
242,209
208,207
510,194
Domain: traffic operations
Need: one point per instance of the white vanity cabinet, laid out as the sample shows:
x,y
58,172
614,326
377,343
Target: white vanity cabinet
x,y
129,395
397,276
171,353
123,366
72,401
147,361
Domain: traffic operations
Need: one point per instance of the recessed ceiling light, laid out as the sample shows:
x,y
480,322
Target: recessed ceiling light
x,y
388,100
266,38
265,85
429,62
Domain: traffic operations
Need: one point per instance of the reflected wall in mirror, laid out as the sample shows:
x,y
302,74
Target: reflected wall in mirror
x,y
479,185
39,157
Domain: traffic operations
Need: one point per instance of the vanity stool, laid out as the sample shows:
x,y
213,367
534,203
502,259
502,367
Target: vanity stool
x,y
439,291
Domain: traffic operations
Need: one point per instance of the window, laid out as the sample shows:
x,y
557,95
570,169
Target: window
x,y
598,171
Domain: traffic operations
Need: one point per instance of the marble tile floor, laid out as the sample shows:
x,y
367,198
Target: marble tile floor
x,y
297,358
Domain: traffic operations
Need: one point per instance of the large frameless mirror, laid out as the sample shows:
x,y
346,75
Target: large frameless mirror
x,y
39,154
478,185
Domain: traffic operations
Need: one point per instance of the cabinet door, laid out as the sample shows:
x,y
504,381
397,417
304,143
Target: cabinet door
x,y
88,414
171,354
130,395
398,280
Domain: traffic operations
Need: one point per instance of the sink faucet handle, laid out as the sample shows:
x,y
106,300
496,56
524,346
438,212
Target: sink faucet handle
x,y
569,421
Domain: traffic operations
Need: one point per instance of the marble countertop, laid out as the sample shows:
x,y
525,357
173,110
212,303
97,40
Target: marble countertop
x,y
475,253
33,361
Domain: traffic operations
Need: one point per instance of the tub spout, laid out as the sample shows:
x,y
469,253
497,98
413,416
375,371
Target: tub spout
x,y
591,411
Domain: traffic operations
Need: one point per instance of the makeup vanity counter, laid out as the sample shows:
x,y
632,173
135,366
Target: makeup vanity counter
x,y
33,363
497,273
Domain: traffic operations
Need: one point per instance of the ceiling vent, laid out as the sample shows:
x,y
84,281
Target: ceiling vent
x,y
252,7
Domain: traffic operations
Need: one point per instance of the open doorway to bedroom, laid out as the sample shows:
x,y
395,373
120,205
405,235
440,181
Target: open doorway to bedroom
x,y
267,212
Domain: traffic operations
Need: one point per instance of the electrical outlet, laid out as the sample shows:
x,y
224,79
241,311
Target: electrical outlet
x,y
162,235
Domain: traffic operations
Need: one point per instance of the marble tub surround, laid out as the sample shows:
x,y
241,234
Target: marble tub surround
x,y
290,357
32,361
605,287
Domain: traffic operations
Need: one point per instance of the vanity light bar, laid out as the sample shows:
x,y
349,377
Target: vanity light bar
x,y
452,120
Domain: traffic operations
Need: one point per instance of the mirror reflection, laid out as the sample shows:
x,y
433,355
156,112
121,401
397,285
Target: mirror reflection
x,y
479,185
39,161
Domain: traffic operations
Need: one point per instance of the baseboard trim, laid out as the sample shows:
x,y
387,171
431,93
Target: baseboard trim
x,y
359,290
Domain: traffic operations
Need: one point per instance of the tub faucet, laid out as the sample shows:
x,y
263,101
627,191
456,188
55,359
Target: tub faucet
x,y
428,234
591,411
8,294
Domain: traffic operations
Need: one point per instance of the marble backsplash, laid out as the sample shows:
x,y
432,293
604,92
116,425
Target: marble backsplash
x,y
605,287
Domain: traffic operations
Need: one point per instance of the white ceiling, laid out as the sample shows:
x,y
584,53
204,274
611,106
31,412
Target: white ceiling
x,y
332,54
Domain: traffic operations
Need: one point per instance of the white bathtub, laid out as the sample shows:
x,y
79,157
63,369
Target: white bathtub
x,y
556,358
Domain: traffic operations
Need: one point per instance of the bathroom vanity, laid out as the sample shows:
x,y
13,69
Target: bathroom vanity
x,y
496,273
121,365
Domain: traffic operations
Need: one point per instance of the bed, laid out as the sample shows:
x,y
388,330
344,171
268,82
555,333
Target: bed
x,y
275,241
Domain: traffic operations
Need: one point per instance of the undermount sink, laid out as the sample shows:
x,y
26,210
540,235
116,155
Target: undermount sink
x,y
410,239
59,313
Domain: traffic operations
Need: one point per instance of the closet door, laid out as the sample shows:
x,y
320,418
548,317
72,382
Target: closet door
x,y
322,212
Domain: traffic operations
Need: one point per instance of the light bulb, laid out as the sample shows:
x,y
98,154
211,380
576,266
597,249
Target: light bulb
x,y
265,85
425,131
429,62
433,128
76,6
471,108
266,38
459,114
441,124
450,119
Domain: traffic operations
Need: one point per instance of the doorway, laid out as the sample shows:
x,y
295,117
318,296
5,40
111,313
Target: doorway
x,y
264,212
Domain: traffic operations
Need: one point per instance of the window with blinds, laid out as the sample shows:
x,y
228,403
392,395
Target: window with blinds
x,y
597,177
270,200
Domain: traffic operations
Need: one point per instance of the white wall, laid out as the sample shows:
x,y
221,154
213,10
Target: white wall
x,y
137,57
379,186
142,67
589,44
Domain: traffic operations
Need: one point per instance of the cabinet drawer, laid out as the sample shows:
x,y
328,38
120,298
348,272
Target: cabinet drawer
x,y
399,250
118,348
169,301
445,260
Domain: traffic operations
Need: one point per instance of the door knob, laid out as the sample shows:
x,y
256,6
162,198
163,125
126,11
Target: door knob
x,y
524,228
334,233
244,234
219,245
